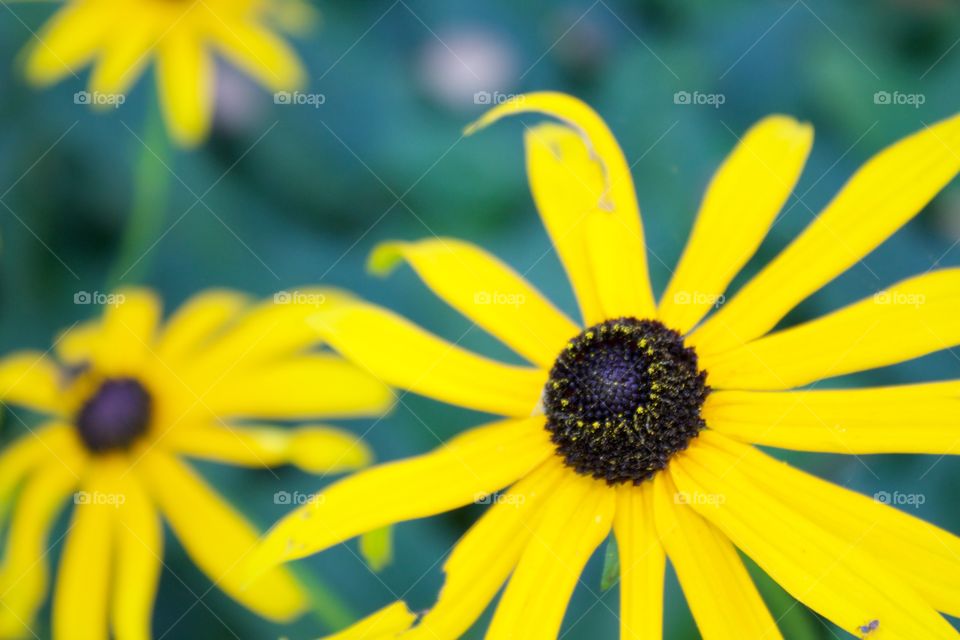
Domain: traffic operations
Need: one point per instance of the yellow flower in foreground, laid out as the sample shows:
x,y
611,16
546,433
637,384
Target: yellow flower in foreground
x,y
644,422
125,402
119,37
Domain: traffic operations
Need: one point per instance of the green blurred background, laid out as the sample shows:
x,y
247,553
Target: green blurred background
x,y
287,195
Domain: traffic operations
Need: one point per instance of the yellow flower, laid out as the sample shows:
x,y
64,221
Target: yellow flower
x,y
126,400
644,422
119,37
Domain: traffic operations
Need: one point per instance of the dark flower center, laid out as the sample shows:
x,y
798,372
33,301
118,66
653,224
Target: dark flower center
x,y
622,398
116,415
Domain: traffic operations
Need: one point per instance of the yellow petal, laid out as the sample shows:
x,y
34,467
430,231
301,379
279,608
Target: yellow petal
x,y
81,596
296,388
315,449
467,467
24,574
30,379
68,41
219,539
831,574
139,557
851,421
741,203
386,624
128,332
271,330
185,83
910,319
567,185
403,355
486,555
125,54
927,557
614,195
257,51
642,562
487,292
77,344
883,195
722,597
52,443
576,518
197,322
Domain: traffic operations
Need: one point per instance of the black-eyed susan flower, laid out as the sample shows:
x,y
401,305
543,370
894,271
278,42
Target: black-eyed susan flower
x,y
126,400
120,37
642,420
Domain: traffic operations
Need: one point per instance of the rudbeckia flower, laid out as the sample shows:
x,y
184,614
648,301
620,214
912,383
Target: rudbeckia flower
x,y
126,401
119,38
643,419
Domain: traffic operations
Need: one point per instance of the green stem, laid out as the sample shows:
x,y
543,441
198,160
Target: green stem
x,y
151,182
327,607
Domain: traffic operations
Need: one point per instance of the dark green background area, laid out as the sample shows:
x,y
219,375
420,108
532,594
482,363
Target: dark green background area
x,y
293,195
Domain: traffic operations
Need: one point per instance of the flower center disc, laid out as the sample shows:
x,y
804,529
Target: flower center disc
x,y
622,398
116,415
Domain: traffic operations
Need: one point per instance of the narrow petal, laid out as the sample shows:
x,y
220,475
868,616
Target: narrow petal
x,y
473,464
854,421
722,597
128,332
486,555
42,446
185,79
125,54
910,319
642,563
386,624
82,593
139,556
24,574
269,331
487,292
889,190
614,194
576,518
197,322
315,449
833,575
30,379
927,557
76,345
403,355
257,51
219,541
567,184
68,41
297,388
741,203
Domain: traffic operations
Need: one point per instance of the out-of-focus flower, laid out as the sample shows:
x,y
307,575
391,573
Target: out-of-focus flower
x,y
642,418
120,37
126,400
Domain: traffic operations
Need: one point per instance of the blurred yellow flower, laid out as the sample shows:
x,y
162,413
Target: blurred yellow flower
x,y
641,420
119,38
126,399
